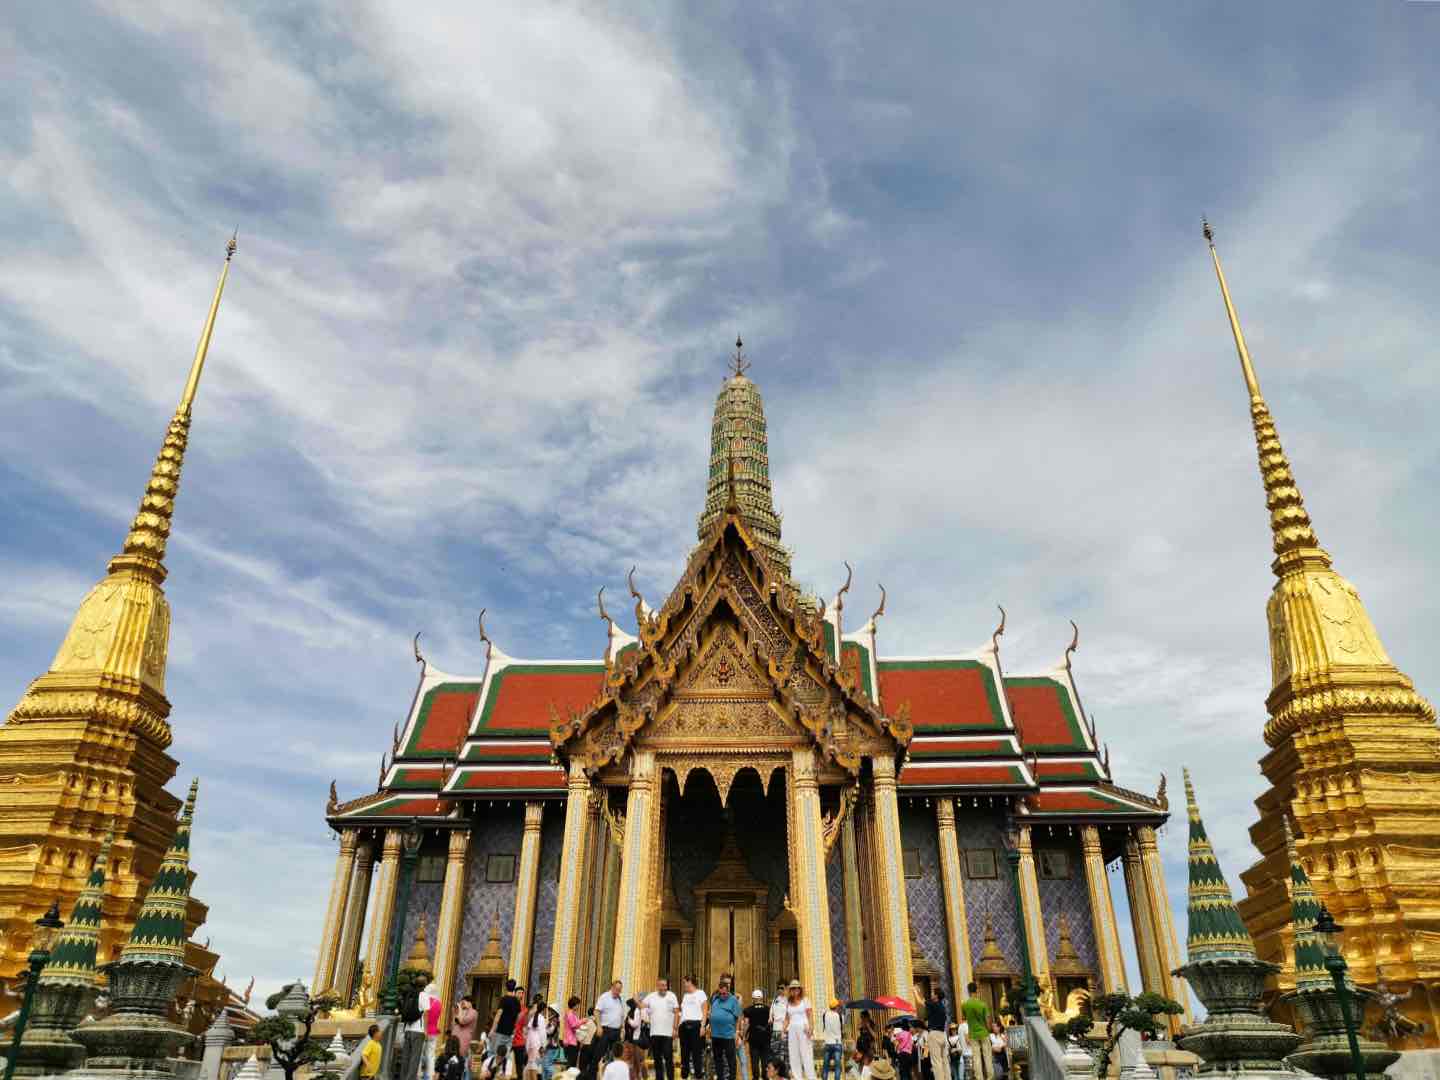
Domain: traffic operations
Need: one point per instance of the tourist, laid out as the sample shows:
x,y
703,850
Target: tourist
x,y
692,1017
904,1050
799,1022
451,1063
432,1029
569,1029
977,1022
724,1018
778,1050
517,1040
535,1037
755,1030
660,1007
997,1049
833,1038
610,1015
371,1053
881,1070
959,1048
637,1034
502,1028
937,1046
615,1068
554,1046
775,1070
865,1039
413,1013
462,1024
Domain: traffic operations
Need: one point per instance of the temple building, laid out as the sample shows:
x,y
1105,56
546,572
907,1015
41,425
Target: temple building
x,y
748,784
1353,761
83,753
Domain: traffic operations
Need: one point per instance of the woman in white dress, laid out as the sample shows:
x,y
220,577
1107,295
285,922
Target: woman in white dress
x,y
798,1024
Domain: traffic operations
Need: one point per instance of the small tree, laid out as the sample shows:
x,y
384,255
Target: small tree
x,y
1122,1013
290,1043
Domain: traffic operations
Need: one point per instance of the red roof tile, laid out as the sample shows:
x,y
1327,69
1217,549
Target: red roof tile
x,y
944,695
411,808
1043,714
961,776
443,718
1056,802
520,696
963,748
512,779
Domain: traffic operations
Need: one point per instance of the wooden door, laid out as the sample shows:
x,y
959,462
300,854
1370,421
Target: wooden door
x,y
731,943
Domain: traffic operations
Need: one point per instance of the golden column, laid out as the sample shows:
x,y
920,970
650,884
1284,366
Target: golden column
x,y
452,912
591,897
809,892
527,884
1030,912
343,979
854,931
1102,913
564,959
1167,945
894,905
634,870
335,911
957,927
381,919
1146,944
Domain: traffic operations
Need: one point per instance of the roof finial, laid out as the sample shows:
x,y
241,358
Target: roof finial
x,y
840,596
489,645
145,543
419,657
999,630
1290,526
881,609
739,363
609,624
1074,644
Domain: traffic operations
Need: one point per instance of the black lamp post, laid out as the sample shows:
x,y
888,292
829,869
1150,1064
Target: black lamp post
x,y
1329,932
1029,991
46,927
409,850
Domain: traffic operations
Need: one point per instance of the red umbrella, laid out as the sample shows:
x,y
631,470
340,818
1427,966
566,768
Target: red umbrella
x,y
897,1003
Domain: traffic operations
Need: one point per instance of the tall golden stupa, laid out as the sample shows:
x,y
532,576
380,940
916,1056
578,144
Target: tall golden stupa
x,y
1354,760
84,752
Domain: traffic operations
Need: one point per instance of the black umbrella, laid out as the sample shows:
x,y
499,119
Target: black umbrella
x,y
865,1003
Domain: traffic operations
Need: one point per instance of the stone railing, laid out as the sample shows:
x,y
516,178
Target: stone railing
x,y
1051,1061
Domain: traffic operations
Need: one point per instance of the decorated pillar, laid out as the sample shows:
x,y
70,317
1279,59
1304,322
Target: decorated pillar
x,y
592,898
380,920
330,933
342,981
808,892
610,906
527,884
564,954
957,926
1030,913
894,914
1146,947
854,933
1102,913
1166,943
452,913
635,870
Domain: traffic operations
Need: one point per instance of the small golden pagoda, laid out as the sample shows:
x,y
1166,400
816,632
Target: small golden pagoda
x,y
84,751
1354,758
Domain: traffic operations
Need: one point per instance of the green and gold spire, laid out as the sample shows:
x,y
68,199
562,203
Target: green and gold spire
x,y
1216,930
72,958
740,458
1310,973
159,933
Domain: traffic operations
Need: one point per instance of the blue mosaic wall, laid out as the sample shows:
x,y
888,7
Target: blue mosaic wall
x,y
925,894
498,830
547,894
839,947
979,828
1066,895
424,904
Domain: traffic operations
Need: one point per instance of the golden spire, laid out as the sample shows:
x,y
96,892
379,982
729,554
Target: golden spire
x,y
1294,539
145,544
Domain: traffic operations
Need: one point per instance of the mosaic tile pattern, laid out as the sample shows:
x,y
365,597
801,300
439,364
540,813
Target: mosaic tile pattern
x,y
1070,896
497,830
547,894
979,827
925,894
424,904
839,947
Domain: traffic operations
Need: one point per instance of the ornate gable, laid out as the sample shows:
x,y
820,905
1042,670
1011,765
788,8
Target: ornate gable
x,y
735,654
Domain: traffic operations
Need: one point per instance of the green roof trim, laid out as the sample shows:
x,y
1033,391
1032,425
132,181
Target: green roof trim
x,y
987,681
1067,712
867,682
417,734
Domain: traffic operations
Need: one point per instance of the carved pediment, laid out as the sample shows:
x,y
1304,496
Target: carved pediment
x,y
722,722
724,669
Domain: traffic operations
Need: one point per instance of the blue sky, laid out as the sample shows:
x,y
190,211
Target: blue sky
x,y
491,260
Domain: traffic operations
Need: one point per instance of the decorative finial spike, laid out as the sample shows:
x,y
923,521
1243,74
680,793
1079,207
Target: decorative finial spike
x,y
233,245
1074,643
739,363
881,609
419,657
999,630
1207,230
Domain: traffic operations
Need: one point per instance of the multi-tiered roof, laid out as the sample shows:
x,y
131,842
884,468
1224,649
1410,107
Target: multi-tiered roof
x,y
977,730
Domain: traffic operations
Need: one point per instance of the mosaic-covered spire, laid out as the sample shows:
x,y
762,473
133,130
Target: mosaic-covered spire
x,y
159,933
1216,929
738,439
1310,973
72,958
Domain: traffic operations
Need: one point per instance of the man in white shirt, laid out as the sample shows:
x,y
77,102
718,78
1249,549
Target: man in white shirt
x,y
610,1015
413,1048
692,1015
659,1008
831,1035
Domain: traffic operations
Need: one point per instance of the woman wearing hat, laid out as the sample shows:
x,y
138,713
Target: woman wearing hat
x,y
799,1021
881,1069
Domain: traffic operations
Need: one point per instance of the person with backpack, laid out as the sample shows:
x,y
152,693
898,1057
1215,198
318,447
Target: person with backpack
x,y
414,1009
451,1063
